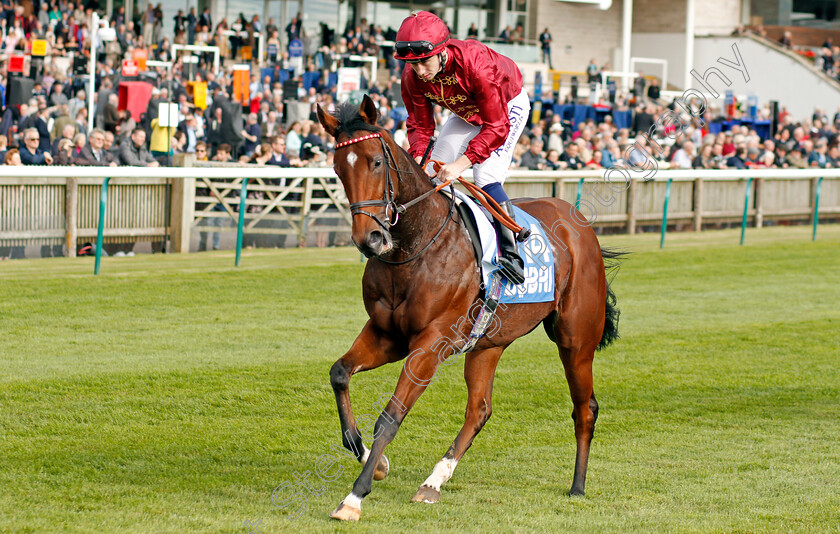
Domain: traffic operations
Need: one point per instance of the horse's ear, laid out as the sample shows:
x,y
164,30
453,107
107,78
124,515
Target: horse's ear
x,y
329,122
368,110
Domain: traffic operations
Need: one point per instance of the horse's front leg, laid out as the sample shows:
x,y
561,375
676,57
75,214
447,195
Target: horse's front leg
x,y
371,349
418,372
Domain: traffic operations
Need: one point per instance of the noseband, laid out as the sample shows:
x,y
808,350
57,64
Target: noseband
x,y
392,208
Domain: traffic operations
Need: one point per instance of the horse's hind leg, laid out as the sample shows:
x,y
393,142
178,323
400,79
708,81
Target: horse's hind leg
x,y
369,351
479,370
577,342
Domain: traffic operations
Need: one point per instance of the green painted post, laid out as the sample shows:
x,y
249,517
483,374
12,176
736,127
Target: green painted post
x,y
579,191
243,194
746,208
816,209
103,200
665,214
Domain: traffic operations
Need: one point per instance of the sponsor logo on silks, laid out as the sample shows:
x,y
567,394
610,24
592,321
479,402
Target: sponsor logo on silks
x,y
539,265
514,116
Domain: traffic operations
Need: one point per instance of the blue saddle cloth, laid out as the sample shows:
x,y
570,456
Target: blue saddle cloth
x,y
535,252
539,265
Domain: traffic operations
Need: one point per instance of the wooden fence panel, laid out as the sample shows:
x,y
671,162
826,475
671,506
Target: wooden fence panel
x,y
785,197
724,199
135,212
32,214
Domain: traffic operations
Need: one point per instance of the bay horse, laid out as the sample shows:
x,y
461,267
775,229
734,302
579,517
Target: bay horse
x,y
420,283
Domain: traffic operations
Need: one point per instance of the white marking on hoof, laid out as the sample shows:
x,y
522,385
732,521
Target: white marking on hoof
x,y
351,159
353,501
441,473
365,450
350,509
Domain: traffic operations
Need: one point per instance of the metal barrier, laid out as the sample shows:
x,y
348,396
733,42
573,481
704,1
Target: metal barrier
x,y
31,211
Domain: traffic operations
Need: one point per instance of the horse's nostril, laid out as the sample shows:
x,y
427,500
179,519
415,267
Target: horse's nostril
x,y
374,239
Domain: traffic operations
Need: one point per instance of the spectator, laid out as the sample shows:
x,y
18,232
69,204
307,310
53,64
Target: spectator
x,y
780,159
294,140
222,153
111,146
472,32
545,44
643,121
639,88
67,132
79,142
533,158
189,127
610,157
214,129
555,137
63,153
161,144
593,74
703,160
683,158
653,92
818,158
251,134
134,152
570,158
753,159
94,153
270,126
293,28
833,159
595,161
30,153
507,35
12,157
786,40
552,160
112,115
736,161
795,159
312,144
279,156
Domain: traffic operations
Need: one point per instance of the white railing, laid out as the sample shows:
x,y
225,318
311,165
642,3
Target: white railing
x,y
47,204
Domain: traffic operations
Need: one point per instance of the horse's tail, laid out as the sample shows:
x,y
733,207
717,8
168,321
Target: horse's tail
x,y
612,262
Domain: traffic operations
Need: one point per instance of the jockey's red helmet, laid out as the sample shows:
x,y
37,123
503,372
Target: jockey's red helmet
x,y
421,35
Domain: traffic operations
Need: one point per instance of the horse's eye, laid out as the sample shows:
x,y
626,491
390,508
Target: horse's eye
x,y
377,162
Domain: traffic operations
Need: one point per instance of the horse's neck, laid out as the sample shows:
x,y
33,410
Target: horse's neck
x,y
420,222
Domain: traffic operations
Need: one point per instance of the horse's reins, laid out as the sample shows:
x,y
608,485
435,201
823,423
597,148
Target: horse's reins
x,y
487,201
389,201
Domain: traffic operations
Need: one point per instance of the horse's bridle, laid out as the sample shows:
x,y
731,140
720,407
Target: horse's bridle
x,y
388,200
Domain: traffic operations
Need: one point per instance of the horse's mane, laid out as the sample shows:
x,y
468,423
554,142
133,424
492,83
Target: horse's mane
x,y
350,121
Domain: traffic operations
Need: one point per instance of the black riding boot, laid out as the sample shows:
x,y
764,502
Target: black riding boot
x,y
509,259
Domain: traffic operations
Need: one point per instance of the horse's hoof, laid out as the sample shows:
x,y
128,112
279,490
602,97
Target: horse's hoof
x,y
426,494
346,513
382,468
576,492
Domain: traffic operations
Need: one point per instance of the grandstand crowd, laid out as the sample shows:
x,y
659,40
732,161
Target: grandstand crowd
x,y
51,127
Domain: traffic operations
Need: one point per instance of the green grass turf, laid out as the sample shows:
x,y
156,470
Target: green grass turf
x,y
174,393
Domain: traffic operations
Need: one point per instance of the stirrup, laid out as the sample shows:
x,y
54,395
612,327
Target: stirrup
x,y
511,270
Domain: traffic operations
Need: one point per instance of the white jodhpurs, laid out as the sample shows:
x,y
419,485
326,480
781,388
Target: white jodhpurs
x,y
456,134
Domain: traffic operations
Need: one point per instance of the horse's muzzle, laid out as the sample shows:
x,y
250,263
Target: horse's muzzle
x,y
376,243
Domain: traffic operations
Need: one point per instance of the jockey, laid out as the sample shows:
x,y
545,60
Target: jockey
x,y
483,89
